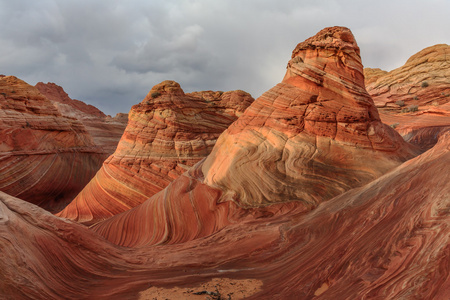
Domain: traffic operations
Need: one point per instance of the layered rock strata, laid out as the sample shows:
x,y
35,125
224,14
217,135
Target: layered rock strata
x,y
310,138
45,157
423,80
105,131
168,132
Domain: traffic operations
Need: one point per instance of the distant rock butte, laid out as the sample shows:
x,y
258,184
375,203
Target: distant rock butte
x,y
105,131
57,94
168,132
45,157
423,80
312,137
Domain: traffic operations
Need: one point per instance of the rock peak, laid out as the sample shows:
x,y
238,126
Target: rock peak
x,y
332,51
166,87
331,37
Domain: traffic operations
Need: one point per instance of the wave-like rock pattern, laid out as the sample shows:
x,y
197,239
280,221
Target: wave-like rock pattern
x,y
423,79
45,157
104,130
386,240
168,132
310,138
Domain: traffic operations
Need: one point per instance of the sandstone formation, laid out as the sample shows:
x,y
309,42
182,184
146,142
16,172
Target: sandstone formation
x,y
314,136
424,79
105,131
45,157
168,132
386,240
306,196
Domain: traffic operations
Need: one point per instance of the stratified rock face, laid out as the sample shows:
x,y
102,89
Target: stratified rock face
x,y
168,132
315,135
386,240
424,79
105,131
45,158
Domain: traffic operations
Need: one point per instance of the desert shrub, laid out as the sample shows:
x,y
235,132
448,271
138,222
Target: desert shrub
x,y
410,108
435,103
424,84
394,125
416,98
155,94
413,108
400,103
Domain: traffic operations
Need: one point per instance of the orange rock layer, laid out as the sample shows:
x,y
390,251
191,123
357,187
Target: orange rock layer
x,y
45,157
168,132
310,138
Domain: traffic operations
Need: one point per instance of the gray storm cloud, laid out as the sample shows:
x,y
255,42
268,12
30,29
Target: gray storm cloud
x,y
110,53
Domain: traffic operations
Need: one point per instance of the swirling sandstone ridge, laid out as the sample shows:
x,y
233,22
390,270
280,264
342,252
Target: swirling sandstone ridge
x,y
314,136
168,132
45,157
423,82
104,130
386,240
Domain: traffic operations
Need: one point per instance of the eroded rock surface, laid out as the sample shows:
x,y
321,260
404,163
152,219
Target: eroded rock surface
x,y
45,157
168,132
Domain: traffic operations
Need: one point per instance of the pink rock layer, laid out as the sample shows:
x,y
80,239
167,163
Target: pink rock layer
x,y
386,240
104,130
45,157
168,132
423,80
310,138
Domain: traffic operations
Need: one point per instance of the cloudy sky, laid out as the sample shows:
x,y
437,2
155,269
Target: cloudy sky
x,y
110,53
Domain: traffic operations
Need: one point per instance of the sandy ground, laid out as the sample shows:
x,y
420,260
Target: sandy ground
x,y
216,289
